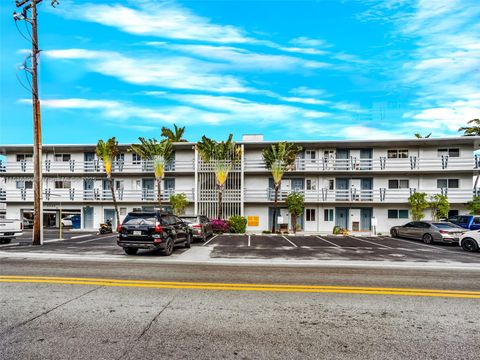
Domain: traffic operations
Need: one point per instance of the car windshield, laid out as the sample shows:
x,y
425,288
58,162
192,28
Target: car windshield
x,y
189,220
446,226
139,219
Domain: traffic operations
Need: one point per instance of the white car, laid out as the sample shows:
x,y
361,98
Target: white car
x,y
67,221
470,241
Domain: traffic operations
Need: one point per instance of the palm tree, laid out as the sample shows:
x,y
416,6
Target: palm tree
x,y
420,136
160,153
107,151
279,158
473,130
175,135
224,155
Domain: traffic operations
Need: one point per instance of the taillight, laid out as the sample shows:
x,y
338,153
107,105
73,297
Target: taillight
x,y
197,226
158,228
21,226
119,229
443,232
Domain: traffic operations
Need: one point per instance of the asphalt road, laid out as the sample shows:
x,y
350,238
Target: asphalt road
x,y
252,317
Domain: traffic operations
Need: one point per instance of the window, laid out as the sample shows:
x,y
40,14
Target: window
x,y
311,184
24,184
397,154
119,184
310,214
310,155
26,157
328,214
63,184
448,183
331,184
62,157
398,184
397,214
452,152
136,159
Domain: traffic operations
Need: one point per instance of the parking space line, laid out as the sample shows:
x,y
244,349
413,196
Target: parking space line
x,y
370,242
81,236
327,241
99,237
289,241
415,243
248,240
213,237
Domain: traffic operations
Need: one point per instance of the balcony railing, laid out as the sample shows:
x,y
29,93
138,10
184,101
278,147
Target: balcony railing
x,y
356,195
378,164
94,166
79,195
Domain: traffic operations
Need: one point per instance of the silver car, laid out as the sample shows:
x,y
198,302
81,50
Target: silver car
x,y
201,226
429,231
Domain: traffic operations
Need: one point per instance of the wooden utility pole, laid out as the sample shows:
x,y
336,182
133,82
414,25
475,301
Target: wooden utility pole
x,y
37,137
30,8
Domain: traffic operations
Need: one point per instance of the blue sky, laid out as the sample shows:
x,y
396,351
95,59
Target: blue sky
x,y
350,69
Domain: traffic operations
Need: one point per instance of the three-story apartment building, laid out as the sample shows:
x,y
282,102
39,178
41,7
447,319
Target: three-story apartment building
x,y
345,183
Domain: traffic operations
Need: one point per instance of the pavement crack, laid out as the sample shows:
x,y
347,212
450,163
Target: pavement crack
x,y
147,327
52,309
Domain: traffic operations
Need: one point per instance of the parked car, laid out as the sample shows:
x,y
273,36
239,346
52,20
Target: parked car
x,y
429,231
10,229
470,222
201,226
470,241
153,230
27,223
67,221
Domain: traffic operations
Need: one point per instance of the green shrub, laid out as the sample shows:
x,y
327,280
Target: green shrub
x,y
237,224
266,232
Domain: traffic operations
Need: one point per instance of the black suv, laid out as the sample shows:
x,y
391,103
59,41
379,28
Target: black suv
x,y
153,230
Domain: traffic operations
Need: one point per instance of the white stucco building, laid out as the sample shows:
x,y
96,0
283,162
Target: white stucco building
x,y
346,183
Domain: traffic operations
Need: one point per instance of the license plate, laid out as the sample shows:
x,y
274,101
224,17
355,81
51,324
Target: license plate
x,y
137,233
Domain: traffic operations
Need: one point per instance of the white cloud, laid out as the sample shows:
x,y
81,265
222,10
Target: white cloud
x,y
168,72
238,58
306,91
156,18
308,42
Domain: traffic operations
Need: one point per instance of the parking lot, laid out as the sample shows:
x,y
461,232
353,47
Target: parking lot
x,y
301,247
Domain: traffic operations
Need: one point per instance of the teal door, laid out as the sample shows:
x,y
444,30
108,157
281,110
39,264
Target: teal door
x,y
88,217
366,219
341,217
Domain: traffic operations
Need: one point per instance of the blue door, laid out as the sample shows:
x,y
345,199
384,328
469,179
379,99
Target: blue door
x,y
342,159
342,185
366,185
297,185
88,217
366,159
366,219
341,217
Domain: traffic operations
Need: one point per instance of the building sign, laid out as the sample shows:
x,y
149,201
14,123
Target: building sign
x,y
253,221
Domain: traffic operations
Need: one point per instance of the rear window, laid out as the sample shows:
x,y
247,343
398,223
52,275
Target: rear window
x,y
189,220
446,226
139,219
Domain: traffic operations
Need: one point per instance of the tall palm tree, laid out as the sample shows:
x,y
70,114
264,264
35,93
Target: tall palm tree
x,y
279,158
175,134
420,136
107,151
473,129
160,153
224,155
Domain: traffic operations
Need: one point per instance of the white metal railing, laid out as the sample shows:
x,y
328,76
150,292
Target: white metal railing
x,y
94,166
378,164
80,195
228,195
356,195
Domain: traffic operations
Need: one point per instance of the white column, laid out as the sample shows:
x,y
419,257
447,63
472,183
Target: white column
x,y
242,182
195,187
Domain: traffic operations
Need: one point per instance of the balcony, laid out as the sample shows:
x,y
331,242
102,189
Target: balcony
x,y
413,163
79,195
94,166
381,195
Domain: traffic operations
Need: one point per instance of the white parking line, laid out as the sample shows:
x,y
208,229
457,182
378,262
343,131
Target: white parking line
x,y
289,241
98,237
213,237
327,241
370,242
248,240
80,236
415,243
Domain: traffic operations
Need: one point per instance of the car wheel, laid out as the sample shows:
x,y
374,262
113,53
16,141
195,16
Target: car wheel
x,y
188,242
5,241
468,244
168,248
428,239
394,233
130,251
